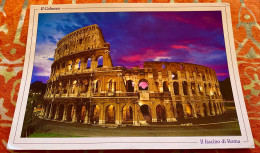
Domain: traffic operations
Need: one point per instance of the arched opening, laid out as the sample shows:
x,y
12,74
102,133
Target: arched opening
x,y
205,89
111,86
130,86
176,88
174,76
127,115
157,86
180,112
69,66
165,86
77,64
110,114
193,88
205,112
82,114
53,111
161,114
203,77
189,109
95,114
74,87
145,109
97,86
185,87
70,113
143,84
61,111
85,86
88,63
100,62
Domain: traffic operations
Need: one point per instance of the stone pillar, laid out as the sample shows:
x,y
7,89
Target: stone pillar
x,y
118,113
184,109
74,118
87,119
169,114
194,110
212,108
153,112
202,110
175,110
208,110
57,112
135,116
64,115
50,113
102,114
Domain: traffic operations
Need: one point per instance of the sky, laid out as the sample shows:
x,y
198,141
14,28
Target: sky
x,y
135,37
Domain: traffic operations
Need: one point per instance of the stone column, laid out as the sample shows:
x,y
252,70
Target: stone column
x,y
57,112
118,112
50,113
135,117
102,114
184,109
169,114
87,119
153,112
212,108
208,110
64,118
175,110
74,118
194,110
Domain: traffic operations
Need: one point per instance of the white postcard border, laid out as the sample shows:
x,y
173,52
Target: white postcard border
x,y
17,143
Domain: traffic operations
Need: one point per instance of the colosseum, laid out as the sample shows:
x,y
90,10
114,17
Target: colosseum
x,y
84,86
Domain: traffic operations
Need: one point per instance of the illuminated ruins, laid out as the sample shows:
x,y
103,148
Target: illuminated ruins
x,y
84,86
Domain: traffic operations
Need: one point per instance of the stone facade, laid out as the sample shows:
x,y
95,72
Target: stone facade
x,y
84,86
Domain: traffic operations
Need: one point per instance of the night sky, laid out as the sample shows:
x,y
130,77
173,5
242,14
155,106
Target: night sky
x,y
135,37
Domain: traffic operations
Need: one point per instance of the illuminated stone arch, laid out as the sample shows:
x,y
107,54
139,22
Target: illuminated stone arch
x,y
69,65
189,109
110,114
77,64
111,85
97,87
127,114
161,113
95,114
74,88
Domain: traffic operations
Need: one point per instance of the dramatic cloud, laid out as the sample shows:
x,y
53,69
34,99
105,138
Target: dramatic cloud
x,y
135,37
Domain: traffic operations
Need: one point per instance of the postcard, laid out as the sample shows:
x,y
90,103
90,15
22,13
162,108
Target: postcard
x,y
130,76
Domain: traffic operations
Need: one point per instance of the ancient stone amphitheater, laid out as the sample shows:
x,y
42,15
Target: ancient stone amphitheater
x,y
84,86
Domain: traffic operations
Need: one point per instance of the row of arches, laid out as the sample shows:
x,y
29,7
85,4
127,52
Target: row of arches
x,y
76,65
80,113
